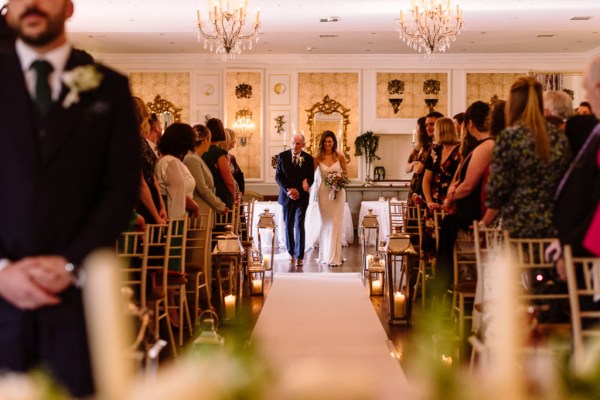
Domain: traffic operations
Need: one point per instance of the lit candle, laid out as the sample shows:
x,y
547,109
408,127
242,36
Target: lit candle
x,y
198,12
257,16
256,285
293,129
399,302
376,287
447,359
267,261
230,306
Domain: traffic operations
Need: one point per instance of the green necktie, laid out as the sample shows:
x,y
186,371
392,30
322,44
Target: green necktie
x,y
43,94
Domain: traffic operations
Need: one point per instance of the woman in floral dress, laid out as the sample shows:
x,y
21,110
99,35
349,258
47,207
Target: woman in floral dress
x,y
528,161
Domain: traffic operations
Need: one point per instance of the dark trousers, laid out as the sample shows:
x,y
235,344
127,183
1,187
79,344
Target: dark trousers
x,y
293,217
52,339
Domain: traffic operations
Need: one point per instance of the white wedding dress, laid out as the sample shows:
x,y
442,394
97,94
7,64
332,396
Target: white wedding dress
x,y
332,218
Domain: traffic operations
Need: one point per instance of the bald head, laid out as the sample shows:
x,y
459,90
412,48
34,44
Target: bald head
x,y
591,83
297,143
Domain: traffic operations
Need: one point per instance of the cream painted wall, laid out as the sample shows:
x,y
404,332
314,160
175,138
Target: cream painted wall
x,y
207,70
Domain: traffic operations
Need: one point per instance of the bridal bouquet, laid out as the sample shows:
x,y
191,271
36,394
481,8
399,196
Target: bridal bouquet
x,y
336,181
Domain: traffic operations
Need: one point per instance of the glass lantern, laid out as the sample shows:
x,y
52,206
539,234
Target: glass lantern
x,y
227,256
398,251
376,275
368,224
266,226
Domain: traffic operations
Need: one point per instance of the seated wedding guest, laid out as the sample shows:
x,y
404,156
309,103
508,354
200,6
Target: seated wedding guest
x,y
578,194
238,175
441,164
204,192
584,108
151,205
529,158
558,107
174,179
578,128
218,163
464,195
416,160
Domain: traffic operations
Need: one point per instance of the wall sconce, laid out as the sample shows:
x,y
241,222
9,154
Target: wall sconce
x,y
395,88
431,86
243,124
395,104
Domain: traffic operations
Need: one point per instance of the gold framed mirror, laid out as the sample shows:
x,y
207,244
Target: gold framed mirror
x,y
165,110
328,115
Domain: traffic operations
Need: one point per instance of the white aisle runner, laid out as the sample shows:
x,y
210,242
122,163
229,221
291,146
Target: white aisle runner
x,y
326,321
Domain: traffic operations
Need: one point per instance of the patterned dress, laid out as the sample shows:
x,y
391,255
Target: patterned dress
x,y
522,186
442,171
418,154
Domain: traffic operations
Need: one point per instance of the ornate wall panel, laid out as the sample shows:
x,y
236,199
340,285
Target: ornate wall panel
x,y
172,86
485,86
341,87
249,156
409,88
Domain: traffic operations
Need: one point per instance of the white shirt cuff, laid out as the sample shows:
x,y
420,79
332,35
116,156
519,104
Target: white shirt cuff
x,y
4,262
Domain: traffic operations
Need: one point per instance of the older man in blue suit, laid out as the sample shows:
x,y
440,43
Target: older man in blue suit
x,y
295,174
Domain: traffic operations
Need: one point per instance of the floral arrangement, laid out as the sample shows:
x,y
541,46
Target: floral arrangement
x,y
79,80
367,144
299,160
336,181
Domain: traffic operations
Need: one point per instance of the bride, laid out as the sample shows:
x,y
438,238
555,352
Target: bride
x,y
330,207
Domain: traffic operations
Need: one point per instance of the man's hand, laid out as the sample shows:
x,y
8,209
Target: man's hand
x,y
18,288
554,253
293,194
305,185
48,272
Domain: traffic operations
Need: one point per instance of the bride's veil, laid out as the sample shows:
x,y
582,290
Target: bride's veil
x,y
312,222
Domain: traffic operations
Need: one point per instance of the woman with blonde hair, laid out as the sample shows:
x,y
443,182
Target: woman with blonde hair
x,y
150,205
529,158
441,164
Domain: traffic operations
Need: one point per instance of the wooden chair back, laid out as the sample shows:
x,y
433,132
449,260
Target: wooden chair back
x,y
395,208
130,249
583,280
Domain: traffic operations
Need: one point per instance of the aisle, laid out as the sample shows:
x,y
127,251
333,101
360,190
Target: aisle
x,y
324,324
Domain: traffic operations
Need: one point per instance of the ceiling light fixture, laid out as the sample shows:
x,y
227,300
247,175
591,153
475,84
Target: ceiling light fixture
x,y
223,32
430,25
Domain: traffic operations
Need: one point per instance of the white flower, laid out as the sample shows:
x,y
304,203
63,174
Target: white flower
x,y
79,80
300,160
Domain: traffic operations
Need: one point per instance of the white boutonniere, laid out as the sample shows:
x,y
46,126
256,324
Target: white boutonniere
x,y
300,160
79,80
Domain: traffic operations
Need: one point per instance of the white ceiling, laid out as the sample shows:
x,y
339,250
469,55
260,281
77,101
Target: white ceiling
x,y
365,27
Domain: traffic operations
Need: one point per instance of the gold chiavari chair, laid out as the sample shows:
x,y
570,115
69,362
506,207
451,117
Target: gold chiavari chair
x,y
544,297
221,273
198,259
154,261
413,217
176,275
245,231
130,249
465,279
583,280
395,208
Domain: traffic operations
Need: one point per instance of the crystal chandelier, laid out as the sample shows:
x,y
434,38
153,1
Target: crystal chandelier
x,y
223,32
430,25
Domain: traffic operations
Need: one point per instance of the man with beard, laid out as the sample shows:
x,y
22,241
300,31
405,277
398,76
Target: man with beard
x,y
69,155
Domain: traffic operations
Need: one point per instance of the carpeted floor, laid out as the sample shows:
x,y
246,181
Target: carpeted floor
x,y
322,326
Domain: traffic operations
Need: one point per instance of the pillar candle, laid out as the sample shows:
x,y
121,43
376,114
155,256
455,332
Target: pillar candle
x,y
267,261
230,306
257,286
399,303
376,287
369,259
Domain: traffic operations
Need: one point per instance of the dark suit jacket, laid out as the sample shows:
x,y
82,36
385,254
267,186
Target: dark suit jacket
x,y
290,176
577,202
69,181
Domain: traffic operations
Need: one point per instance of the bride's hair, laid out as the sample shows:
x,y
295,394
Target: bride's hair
x,y
325,135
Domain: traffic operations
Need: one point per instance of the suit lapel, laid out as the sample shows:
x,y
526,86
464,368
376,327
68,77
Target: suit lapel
x,y
63,123
16,107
